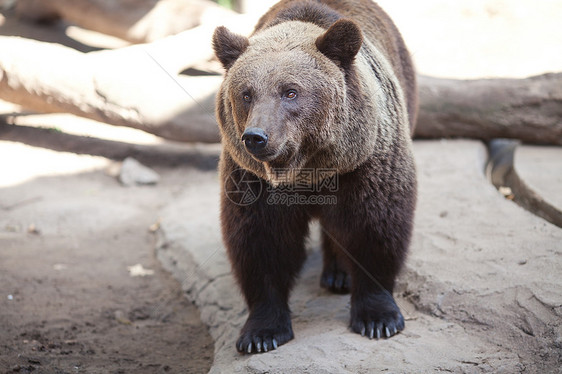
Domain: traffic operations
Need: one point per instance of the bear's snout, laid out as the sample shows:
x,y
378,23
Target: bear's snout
x,y
255,140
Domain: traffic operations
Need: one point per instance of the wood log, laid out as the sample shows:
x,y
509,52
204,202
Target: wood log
x,y
139,87
526,109
135,86
136,21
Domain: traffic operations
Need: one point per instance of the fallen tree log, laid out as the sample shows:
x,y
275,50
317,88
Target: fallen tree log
x,y
526,109
139,87
133,87
136,21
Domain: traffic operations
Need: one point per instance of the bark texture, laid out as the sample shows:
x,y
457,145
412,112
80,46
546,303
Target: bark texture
x,y
526,109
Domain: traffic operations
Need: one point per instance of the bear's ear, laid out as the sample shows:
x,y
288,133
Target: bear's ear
x,y
228,46
341,42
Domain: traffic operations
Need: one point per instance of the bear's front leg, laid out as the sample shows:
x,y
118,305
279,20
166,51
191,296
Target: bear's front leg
x,y
371,227
265,244
374,312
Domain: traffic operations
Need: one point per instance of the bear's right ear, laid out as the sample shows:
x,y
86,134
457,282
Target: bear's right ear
x,y
228,46
341,42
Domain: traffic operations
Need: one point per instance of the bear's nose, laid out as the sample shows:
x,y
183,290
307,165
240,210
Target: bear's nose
x,y
255,139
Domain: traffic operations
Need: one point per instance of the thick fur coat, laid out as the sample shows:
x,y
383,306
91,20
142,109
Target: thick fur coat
x,y
320,85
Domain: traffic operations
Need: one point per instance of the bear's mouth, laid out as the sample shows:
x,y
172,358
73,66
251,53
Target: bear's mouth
x,y
283,169
265,156
278,157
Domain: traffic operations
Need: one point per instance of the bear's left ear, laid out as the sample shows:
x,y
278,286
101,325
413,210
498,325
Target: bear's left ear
x,y
228,46
341,42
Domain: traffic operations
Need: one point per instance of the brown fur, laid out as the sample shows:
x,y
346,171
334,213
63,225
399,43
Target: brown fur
x,y
375,24
353,112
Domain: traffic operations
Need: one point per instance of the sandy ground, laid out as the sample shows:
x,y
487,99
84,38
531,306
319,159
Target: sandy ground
x,y
480,291
69,232
73,250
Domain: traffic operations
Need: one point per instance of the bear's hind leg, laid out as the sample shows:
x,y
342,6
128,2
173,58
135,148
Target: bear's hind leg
x,y
335,274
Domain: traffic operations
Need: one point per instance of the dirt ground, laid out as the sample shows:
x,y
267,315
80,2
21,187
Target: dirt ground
x,y
69,302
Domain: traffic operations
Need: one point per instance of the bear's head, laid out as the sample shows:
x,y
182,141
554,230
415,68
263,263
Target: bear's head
x,y
284,104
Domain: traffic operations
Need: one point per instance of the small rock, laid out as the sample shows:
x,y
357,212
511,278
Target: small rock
x,y
113,169
134,173
506,192
155,226
139,271
32,229
121,318
34,361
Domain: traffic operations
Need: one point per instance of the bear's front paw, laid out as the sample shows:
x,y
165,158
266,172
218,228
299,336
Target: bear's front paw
x,y
259,335
376,316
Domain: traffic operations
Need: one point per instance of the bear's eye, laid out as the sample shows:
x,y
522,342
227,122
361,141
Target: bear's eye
x,y
291,94
247,97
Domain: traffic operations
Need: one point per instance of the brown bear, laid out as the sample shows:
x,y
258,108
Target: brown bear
x,y
320,85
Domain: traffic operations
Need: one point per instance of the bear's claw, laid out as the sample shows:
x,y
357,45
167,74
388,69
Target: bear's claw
x,y
258,344
378,316
267,327
337,281
372,330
